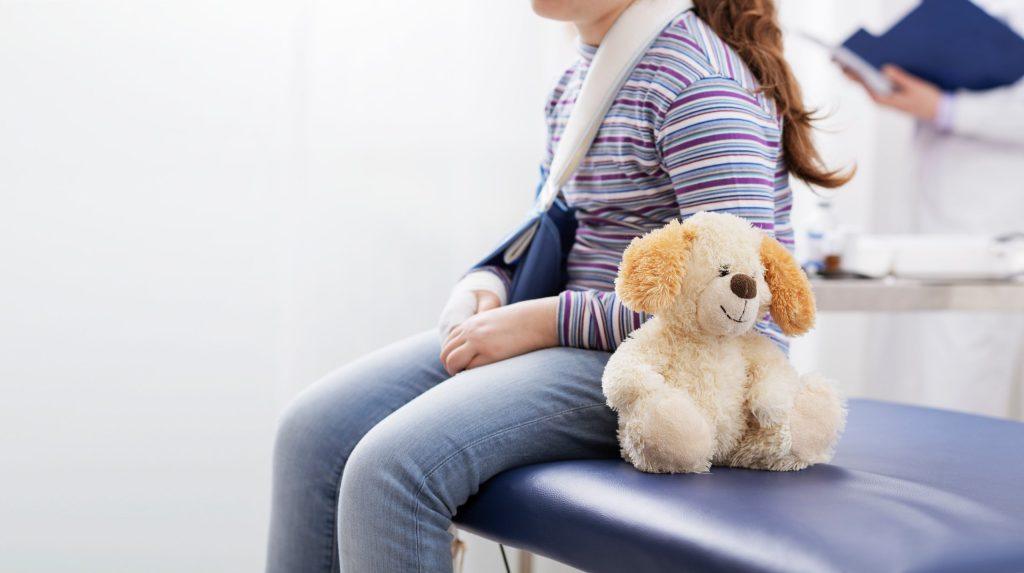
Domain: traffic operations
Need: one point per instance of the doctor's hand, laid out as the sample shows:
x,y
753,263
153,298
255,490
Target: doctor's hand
x,y
501,333
912,95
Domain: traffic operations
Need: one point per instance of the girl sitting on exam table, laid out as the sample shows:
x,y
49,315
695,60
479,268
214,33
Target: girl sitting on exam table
x,y
372,461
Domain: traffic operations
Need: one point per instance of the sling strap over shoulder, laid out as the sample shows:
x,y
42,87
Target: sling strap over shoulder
x,y
622,47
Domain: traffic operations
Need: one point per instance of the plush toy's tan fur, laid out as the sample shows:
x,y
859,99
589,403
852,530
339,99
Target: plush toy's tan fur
x,y
696,385
792,299
651,273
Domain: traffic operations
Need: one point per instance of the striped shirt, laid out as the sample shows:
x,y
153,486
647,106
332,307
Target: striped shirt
x,y
688,132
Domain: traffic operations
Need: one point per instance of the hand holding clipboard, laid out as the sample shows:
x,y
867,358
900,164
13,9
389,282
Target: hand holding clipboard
x,y
940,46
952,44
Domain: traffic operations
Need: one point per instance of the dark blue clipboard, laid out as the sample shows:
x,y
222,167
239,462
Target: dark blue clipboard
x,y
953,44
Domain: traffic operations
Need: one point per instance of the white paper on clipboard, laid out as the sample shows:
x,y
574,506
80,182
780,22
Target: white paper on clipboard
x,y
849,60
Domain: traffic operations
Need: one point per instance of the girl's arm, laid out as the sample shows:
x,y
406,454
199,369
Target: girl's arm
x,y
500,333
483,288
714,141
464,300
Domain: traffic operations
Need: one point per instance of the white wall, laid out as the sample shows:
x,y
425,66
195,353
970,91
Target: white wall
x,y
204,206
143,152
423,133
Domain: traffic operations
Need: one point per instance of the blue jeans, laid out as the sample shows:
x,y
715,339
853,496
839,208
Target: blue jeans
x,y
372,462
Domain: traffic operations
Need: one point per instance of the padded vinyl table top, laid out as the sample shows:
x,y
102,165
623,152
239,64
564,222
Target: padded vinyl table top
x,y
910,489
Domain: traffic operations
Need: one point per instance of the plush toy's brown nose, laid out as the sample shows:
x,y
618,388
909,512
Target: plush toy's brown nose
x,y
743,286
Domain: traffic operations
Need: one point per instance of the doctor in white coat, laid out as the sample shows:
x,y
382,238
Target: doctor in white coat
x,y
970,179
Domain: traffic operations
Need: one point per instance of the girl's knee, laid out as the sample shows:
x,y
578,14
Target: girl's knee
x,y
390,490
381,458
401,463
310,434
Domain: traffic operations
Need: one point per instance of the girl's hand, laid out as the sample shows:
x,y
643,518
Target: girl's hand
x,y
462,304
501,333
486,300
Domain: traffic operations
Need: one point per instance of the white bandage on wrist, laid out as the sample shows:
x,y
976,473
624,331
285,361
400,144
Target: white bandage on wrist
x,y
485,280
462,302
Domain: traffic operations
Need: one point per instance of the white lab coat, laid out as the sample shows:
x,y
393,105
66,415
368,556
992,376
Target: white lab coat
x,y
969,181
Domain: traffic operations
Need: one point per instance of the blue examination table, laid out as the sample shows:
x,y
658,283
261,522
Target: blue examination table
x,y
910,489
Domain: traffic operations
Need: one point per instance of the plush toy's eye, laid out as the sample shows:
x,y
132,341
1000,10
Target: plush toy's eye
x,y
723,270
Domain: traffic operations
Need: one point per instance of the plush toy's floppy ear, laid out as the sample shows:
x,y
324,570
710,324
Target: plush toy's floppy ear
x,y
651,272
792,299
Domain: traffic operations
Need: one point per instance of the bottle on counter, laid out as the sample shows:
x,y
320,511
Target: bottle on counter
x,y
822,241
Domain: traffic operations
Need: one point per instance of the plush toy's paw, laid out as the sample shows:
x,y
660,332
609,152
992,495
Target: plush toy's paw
x,y
771,403
818,417
769,414
666,433
624,385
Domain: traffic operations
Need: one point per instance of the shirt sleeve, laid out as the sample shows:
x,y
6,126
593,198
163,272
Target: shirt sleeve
x,y
720,149
995,115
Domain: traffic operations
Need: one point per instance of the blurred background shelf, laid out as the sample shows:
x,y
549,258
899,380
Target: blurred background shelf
x,y
908,295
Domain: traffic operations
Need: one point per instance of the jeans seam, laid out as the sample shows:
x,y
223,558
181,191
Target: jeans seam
x,y
333,520
439,465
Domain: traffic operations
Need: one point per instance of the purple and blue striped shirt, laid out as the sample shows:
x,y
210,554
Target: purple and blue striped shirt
x,y
688,132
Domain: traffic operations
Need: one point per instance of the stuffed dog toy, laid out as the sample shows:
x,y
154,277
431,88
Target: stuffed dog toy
x,y
696,385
